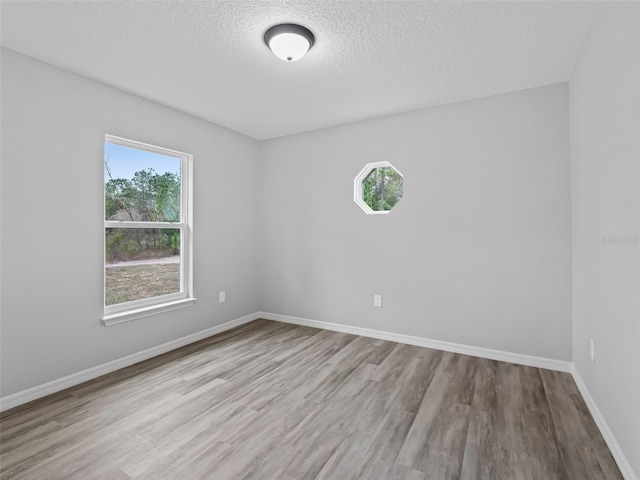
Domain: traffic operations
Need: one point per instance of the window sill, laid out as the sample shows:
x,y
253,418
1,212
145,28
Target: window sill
x,y
122,317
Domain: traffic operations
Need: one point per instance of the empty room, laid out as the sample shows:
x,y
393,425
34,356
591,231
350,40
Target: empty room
x,y
298,240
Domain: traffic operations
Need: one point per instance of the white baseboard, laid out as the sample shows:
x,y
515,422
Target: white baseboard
x,y
517,358
54,386
612,443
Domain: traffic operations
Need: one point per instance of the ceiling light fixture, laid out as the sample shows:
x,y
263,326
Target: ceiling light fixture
x,y
289,41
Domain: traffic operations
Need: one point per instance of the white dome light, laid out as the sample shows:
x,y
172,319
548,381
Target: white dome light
x,y
289,46
288,41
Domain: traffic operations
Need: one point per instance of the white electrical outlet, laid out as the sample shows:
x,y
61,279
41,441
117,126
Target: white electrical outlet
x,y
377,300
221,297
592,348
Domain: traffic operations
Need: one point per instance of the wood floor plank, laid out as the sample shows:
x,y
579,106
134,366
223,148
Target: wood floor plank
x,y
510,431
272,401
444,451
379,460
430,446
543,455
582,448
478,459
400,472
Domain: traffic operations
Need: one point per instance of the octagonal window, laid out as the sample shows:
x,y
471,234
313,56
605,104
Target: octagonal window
x,y
378,188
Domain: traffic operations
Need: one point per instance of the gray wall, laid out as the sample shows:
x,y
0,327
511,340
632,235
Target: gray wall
x,y
53,126
605,157
477,252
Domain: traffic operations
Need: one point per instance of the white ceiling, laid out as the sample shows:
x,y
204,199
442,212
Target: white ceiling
x,y
371,58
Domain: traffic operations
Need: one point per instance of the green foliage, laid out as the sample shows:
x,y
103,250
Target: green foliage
x,y
382,188
113,243
147,197
175,242
123,244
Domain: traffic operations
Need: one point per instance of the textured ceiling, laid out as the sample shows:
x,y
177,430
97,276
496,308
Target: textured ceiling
x,y
371,58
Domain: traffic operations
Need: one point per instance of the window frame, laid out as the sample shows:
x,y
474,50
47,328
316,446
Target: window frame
x,y
127,311
358,187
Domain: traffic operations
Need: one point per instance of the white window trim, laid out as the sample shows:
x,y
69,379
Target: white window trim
x,y
116,318
125,312
358,189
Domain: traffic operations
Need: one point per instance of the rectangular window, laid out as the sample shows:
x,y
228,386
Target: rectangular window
x,y
147,230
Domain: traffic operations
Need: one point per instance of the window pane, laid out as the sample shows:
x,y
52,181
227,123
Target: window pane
x,y
140,186
141,263
382,188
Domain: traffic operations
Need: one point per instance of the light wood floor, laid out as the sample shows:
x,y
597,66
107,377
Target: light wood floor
x,y
281,402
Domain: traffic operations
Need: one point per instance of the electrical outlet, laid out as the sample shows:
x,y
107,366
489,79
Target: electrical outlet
x,y
377,300
221,297
592,348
